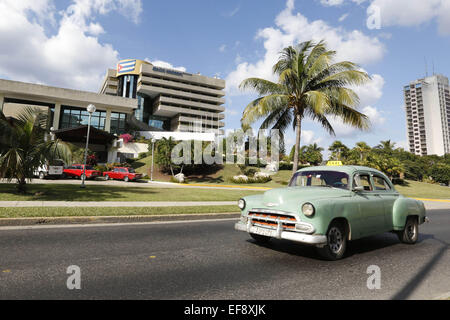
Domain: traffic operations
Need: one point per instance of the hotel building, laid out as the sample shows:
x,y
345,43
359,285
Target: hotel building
x,y
137,97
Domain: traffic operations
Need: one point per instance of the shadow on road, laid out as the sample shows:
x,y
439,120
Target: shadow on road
x,y
360,246
415,281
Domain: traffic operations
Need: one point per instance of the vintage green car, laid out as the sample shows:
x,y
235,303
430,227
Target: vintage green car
x,y
328,206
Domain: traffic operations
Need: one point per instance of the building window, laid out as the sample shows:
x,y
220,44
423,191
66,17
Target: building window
x,y
73,117
118,122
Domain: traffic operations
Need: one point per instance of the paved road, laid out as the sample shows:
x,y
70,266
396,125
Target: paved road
x,y
209,260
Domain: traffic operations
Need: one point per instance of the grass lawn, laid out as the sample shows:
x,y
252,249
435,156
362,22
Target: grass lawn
x,y
223,176
82,212
422,190
69,192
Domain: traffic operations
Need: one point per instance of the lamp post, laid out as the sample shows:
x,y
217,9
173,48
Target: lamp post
x,y
91,109
153,156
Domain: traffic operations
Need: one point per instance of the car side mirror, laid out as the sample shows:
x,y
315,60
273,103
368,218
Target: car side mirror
x,y
358,189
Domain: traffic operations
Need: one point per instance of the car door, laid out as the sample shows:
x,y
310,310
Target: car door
x,y
371,205
72,171
115,173
123,173
387,192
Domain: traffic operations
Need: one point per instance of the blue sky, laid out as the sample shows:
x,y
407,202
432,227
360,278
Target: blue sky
x,y
53,40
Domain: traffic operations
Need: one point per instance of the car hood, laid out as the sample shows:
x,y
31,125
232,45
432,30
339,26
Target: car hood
x,y
279,197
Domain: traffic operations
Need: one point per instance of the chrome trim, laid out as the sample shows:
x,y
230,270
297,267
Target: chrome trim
x,y
308,228
268,211
317,240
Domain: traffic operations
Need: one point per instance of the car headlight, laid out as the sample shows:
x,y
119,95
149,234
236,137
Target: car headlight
x,y
241,204
308,209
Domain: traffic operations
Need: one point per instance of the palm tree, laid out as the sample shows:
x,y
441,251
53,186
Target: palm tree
x,y
386,146
25,146
309,85
339,151
363,149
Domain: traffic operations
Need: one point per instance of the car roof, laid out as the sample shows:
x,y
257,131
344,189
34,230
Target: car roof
x,y
347,169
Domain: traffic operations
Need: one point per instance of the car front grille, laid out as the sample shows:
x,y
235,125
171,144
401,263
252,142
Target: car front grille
x,y
271,219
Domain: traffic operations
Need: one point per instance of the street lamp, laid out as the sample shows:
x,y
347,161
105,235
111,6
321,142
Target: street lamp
x,y
91,109
153,156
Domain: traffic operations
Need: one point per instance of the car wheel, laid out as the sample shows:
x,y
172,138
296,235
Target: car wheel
x,y
107,177
126,179
410,234
41,175
260,239
336,244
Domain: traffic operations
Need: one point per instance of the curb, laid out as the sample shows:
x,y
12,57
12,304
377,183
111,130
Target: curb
x,y
24,222
445,296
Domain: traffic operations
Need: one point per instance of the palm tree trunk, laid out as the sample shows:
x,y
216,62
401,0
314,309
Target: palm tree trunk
x,y
298,132
22,185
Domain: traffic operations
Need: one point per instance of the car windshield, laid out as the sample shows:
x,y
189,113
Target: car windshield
x,y
332,179
131,170
89,168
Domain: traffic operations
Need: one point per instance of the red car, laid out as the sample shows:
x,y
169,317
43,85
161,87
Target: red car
x,y
77,170
122,173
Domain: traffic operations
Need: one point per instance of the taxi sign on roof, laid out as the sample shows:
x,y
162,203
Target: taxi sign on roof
x,y
334,163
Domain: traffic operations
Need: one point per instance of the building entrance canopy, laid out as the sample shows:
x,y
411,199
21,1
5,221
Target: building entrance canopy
x,y
78,135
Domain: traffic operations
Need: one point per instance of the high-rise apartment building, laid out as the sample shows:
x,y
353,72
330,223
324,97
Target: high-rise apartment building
x,y
427,104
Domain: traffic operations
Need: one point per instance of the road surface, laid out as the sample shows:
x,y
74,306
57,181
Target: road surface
x,y
209,260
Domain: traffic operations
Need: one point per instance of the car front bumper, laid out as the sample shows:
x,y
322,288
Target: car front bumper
x,y
279,233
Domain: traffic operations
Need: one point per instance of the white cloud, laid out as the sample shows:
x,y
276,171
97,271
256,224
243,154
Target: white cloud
x,y
330,3
232,13
343,17
409,13
292,28
72,56
222,48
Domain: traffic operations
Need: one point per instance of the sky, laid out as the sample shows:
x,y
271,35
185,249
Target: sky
x,y
71,43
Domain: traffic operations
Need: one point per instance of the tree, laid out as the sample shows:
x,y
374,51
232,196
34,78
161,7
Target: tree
x,y
339,151
309,85
163,154
386,147
25,145
363,149
312,154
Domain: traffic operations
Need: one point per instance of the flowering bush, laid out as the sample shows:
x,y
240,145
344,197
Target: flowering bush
x,y
126,137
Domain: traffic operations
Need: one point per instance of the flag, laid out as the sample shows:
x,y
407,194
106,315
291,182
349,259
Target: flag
x,y
126,66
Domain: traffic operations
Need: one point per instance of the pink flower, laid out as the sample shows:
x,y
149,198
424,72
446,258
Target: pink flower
x,y
126,137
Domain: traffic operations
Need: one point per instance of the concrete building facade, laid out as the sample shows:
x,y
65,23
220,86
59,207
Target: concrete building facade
x,y
427,103
136,96
168,99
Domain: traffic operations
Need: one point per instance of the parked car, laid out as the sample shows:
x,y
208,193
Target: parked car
x,y
77,170
54,169
122,173
328,206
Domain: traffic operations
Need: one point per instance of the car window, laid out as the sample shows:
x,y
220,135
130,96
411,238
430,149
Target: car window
x,y
123,170
333,179
363,180
131,170
116,170
380,184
